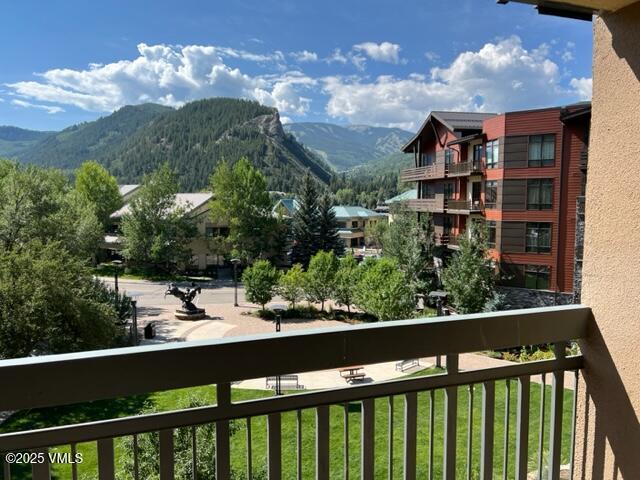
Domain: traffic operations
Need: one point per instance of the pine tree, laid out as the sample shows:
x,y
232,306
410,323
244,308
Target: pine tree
x,y
328,238
305,225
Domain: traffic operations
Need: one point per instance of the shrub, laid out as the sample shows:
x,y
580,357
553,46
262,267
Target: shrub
x,y
346,282
260,280
320,277
383,291
291,285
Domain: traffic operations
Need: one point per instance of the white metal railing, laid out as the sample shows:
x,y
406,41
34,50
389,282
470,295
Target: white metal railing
x,y
81,377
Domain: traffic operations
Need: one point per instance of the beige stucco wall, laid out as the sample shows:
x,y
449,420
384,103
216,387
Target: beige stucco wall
x,y
608,434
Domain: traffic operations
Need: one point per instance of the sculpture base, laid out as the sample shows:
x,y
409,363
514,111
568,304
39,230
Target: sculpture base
x,y
197,314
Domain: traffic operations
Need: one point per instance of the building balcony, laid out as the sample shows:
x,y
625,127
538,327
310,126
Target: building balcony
x,y
463,448
450,241
464,168
432,205
464,207
430,172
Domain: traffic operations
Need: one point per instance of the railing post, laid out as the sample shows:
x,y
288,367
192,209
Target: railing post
x,y
450,419
522,429
486,433
410,432
223,467
322,442
555,435
166,455
367,462
274,447
42,471
105,459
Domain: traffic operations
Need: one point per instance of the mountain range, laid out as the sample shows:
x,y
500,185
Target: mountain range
x,y
135,139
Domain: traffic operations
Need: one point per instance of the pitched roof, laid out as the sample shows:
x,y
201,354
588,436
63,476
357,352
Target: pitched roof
x,y
289,204
453,121
190,201
343,211
127,189
403,197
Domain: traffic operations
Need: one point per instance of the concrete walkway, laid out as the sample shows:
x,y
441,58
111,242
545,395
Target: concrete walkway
x,y
225,320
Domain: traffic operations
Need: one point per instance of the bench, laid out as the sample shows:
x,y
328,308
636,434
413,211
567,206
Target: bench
x,y
287,382
406,364
354,376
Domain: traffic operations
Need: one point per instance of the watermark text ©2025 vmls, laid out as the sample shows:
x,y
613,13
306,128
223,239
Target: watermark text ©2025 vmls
x,y
41,457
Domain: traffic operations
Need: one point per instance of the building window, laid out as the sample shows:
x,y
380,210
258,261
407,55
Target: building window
x,y
542,150
491,234
493,153
540,194
538,237
449,190
428,191
536,277
209,231
477,156
490,193
448,156
354,224
426,159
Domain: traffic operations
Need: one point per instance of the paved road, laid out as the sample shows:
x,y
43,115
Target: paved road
x,y
149,293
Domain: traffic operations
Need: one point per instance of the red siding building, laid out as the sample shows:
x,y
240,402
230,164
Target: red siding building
x,y
520,172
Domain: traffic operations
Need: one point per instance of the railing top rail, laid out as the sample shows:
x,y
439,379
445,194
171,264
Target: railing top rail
x,y
86,376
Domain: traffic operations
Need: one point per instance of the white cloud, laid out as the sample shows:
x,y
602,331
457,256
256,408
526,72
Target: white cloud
x,y
583,87
500,76
170,75
337,57
382,52
48,108
304,56
567,56
432,56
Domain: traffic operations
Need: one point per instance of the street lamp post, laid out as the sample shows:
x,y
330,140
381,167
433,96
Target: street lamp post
x,y
235,262
278,309
116,264
134,321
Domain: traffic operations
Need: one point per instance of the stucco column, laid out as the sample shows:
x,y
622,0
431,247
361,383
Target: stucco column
x,y
608,433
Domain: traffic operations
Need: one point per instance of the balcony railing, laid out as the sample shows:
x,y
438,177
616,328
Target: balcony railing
x,y
464,168
434,171
82,377
464,206
449,240
433,205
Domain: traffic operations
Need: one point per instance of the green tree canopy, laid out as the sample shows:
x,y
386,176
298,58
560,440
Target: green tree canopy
x,y
99,188
383,290
320,277
328,238
241,199
156,230
469,279
304,227
346,282
291,285
260,281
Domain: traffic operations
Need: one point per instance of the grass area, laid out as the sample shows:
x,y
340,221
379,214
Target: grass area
x,y
174,399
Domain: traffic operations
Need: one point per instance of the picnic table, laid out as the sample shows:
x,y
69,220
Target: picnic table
x,y
352,373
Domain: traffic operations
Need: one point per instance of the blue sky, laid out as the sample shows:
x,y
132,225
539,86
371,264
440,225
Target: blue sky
x,y
375,62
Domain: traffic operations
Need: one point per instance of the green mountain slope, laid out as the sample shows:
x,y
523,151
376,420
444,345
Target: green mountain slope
x,y
95,140
14,140
137,139
349,146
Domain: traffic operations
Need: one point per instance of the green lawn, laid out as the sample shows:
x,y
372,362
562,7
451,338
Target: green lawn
x,y
169,400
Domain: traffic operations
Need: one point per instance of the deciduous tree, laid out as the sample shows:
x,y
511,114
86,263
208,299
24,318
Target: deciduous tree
x,y
346,282
99,188
291,285
260,281
320,277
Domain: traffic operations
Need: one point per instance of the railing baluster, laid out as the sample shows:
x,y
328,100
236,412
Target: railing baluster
x,y
74,465
42,471
136,463
105,459
555,434
522,428
6,468
249,453
507,405
470,433
346,441
194,453
432,413
322,442
166,455
450,419
410,433
367,462
299,444
223,462
572,453
543,391
390,440
486,439
274,446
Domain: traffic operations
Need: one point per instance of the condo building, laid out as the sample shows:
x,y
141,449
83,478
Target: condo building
x,y
522,174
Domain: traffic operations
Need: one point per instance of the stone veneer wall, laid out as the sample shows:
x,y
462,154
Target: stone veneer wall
x,y
579,248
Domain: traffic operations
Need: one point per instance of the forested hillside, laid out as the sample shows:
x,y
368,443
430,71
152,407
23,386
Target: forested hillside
x,y
14,140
